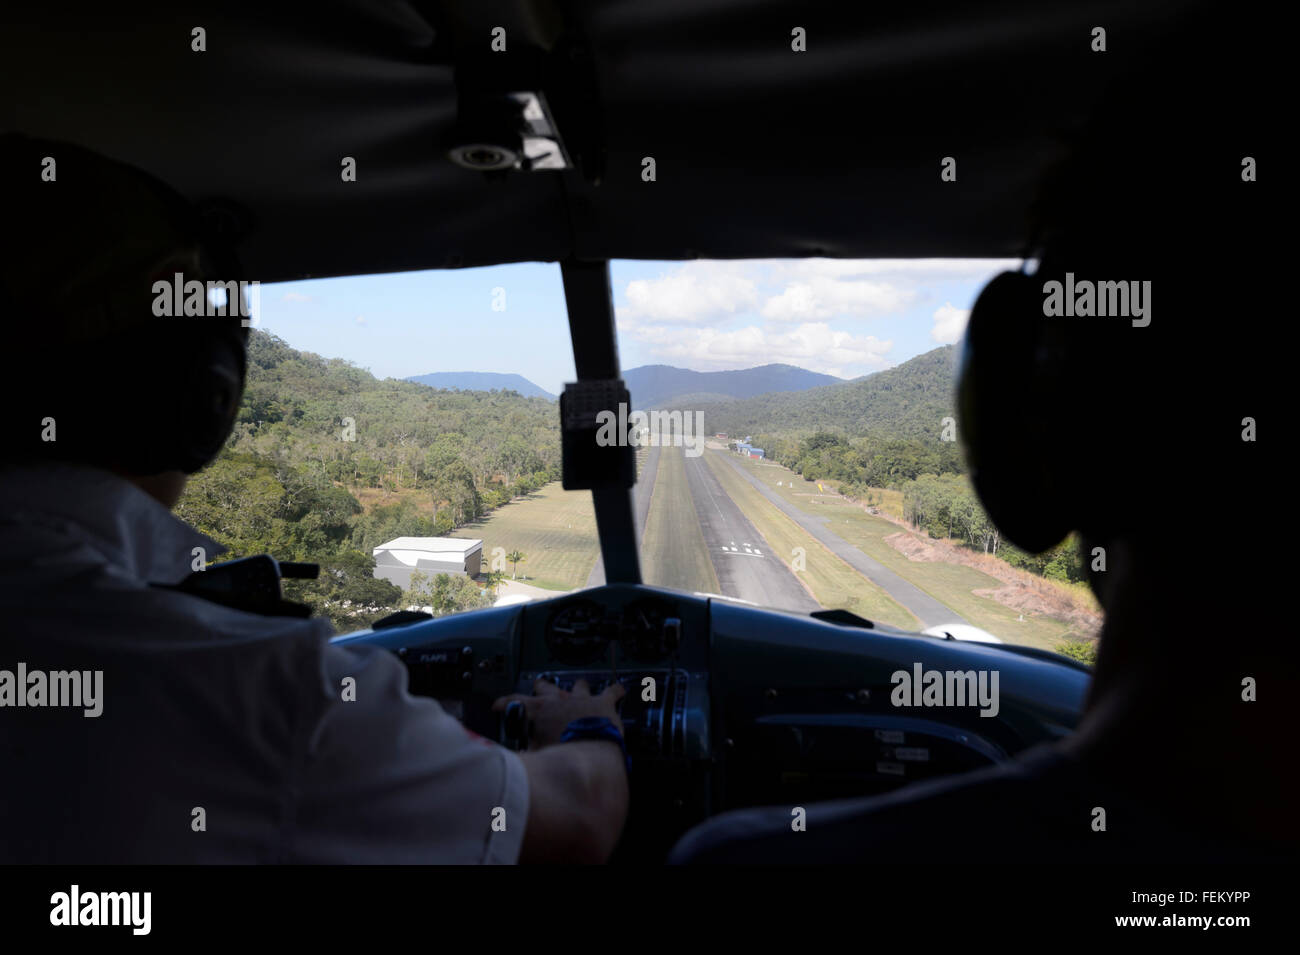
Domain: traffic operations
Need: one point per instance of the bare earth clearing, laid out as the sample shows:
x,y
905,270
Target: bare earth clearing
x,y
1023,592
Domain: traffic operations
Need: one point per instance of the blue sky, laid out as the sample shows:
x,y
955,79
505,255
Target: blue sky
x,y
837,316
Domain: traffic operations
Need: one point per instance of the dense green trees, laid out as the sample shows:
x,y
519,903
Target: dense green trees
x,y
253,505
311,431
347,591
907,402
444,593
1065,561
1085,651
863,462
947,506
356,430
383,523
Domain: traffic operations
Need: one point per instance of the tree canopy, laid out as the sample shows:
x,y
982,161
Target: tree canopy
x,y
312,433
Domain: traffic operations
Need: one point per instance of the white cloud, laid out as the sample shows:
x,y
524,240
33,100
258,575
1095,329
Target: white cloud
x,y
812,345
693,293
715,315
949,323
793,290
297,297
822,297
361,320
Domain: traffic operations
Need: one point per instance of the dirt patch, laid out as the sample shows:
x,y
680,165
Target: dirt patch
x,y
1033,602
915,548
373,497
1021,591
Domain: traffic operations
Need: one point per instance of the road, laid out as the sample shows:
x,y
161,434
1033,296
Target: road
x,y
745,567
928,610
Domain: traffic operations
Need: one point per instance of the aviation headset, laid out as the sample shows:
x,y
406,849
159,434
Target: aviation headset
x,y
126,389
1041,446
1086,424
1004,366
1065,420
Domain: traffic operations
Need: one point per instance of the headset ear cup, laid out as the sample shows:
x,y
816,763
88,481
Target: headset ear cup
x,y
217,389
1002,409
192,394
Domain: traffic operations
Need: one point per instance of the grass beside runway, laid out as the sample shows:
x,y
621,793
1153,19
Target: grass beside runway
x,y
833,583
952,584
673,551
554,528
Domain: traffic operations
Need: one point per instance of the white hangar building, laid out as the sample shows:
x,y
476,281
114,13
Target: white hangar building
x,y
395,560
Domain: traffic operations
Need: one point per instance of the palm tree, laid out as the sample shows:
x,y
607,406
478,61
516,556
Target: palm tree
x,y
494,578
515,558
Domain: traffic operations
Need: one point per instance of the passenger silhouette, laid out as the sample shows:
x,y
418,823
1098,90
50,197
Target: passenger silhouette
x,y
1137,432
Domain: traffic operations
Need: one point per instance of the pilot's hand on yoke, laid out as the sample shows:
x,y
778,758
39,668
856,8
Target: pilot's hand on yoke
x,y
578,792
550,709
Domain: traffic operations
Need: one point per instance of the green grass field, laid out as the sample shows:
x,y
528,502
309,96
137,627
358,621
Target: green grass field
x,y
950,583
833,583
673,550
554,528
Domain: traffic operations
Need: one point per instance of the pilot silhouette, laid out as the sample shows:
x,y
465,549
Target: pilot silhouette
x,y
202,732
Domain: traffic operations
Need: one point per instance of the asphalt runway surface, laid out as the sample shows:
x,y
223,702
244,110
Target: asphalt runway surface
x,y
745,566
928,610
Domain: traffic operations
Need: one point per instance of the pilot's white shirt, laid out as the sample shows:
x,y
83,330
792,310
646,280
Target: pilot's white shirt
x,y
224,736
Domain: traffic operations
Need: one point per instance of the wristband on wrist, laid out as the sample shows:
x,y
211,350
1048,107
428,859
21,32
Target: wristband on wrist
x,y
597,727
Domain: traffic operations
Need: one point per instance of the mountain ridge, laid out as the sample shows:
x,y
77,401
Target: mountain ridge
x,y
481,381
909,400
659,385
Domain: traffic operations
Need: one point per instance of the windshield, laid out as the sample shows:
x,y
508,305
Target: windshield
x,y
798,446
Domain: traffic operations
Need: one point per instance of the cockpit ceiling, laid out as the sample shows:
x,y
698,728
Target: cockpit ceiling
x,y
759,151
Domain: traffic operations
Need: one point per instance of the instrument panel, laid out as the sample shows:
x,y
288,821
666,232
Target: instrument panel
x,y
728,705
655,646
577,634
583,632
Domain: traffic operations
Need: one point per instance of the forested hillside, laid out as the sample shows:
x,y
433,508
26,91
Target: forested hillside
x,y
663,386
481,381
886,431
312,431
908,401
879,431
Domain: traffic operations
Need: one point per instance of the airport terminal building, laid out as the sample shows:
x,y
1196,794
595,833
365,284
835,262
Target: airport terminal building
x,y
397,559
